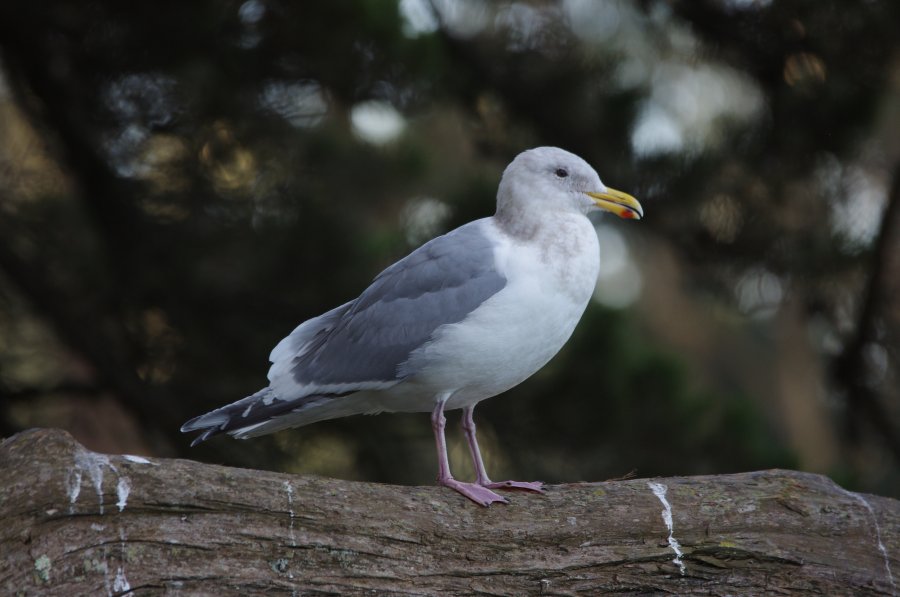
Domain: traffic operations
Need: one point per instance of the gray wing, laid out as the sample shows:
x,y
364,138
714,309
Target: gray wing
x,y
362,344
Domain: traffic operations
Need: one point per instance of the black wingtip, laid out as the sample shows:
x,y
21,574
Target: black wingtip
x,y
205,436
201,422
245,413
197,424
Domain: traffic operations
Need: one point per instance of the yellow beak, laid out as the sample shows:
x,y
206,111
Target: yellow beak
x,y
621,204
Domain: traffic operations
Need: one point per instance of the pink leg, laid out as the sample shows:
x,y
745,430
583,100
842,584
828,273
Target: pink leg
x,y
468,425
475,492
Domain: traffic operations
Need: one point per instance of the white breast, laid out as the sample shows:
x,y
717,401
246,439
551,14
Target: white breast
x,y
514,333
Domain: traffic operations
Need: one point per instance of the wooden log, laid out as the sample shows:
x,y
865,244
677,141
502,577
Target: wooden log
x,y
75,522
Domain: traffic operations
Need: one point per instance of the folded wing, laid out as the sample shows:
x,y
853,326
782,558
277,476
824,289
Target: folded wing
x,y
362,345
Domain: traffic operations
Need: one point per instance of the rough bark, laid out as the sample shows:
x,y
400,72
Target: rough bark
x,y
80,523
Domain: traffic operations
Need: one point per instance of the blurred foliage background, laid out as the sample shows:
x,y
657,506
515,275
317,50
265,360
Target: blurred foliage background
x,y
181,183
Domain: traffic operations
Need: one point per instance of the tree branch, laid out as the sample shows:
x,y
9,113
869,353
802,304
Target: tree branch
x,y
851,372
77,522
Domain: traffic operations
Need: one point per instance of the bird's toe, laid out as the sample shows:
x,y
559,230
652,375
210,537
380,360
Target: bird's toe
x,y
479,494
536,486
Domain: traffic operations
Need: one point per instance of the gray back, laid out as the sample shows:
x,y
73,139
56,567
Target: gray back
x,y
439,283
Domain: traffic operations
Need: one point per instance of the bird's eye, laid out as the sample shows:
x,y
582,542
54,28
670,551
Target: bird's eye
x,y
562,172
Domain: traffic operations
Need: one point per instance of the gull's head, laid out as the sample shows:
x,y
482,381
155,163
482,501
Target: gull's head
x,y
549,179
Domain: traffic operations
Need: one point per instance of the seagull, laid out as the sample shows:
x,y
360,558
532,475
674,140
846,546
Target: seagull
x,y
464,317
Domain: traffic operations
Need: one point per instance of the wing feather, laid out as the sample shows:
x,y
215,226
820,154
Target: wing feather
x,y
362,344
